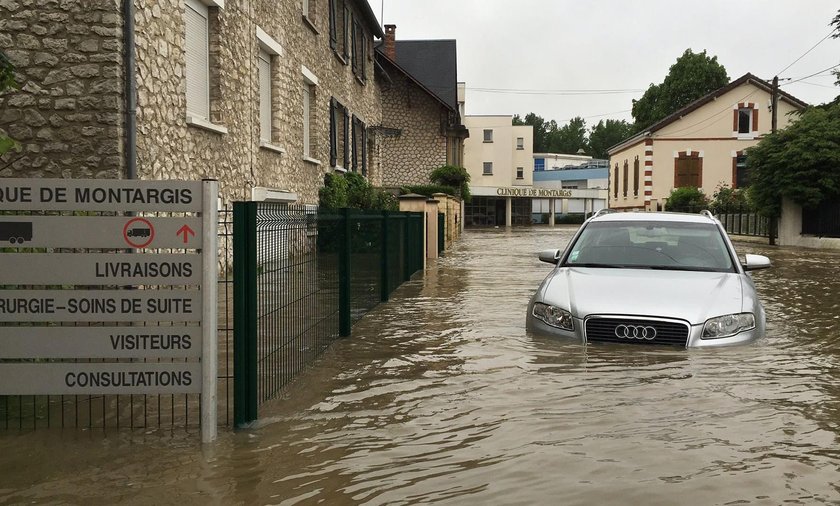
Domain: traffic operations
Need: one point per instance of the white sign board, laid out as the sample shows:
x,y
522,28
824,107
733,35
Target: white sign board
x,y
99,195
69,378
100,269
166,301
101,342
100,232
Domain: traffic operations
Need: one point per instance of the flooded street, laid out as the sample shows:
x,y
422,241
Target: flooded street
x,y
442,396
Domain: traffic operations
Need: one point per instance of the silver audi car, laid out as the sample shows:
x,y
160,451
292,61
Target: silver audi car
x,y
650,278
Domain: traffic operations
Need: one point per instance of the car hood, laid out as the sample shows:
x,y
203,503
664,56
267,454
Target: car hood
x,y
686,295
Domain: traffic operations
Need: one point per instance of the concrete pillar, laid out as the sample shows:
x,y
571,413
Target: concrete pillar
x,y
443,207
432,228
551,203
508,211
416,204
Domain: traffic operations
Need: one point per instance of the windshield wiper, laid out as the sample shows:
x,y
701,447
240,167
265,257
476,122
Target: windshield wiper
x,y
681,268
600,266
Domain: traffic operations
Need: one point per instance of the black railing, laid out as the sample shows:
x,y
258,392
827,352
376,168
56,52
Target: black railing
x,y
823,220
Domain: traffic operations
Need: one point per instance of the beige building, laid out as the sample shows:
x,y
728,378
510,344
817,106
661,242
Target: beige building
x,y
499,159
259,94
701,145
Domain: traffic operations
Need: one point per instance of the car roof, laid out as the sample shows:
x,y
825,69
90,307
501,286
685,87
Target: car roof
x,y
705,217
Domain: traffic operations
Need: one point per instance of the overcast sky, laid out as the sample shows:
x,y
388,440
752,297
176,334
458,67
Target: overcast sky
x,y
546,46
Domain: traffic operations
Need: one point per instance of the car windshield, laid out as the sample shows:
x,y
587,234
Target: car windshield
x,y
668,245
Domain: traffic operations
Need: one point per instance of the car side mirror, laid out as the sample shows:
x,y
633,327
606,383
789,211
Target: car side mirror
x,y
755,262
550,256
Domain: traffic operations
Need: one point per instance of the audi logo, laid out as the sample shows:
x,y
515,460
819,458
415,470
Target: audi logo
x,y
635,332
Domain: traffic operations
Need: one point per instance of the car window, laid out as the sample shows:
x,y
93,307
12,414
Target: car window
x,y
651,244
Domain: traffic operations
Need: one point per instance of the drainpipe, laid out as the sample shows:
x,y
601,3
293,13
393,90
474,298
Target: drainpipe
x,y
129,66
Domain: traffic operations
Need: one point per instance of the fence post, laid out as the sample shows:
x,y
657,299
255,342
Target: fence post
x,y
385,263
344,247
244,312
441,233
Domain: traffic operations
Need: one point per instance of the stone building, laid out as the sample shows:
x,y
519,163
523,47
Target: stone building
x,y
420,108
257,94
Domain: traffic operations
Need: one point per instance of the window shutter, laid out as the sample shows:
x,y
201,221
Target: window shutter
x,y
333,135
198,60
626,180
347,25
354,137
333,25
364,148
306,119
735,120
346,138
265,96
755,120
636,177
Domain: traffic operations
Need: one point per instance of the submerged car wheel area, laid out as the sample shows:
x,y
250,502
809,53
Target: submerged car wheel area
x,y
650,278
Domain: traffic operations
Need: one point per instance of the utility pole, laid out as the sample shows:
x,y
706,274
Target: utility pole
x,y
774,102
774,108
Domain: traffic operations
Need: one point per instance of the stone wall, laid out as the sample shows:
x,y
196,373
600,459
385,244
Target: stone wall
x,y
421,146
169,148
68,113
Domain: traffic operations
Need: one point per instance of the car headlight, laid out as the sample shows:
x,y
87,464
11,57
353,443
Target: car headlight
x,y
554,316
728,325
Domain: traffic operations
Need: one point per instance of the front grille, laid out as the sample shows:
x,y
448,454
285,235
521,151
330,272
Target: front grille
x,y
635,331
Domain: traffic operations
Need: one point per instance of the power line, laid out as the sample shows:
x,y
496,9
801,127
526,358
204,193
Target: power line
x,y
524,91
806,52
811,75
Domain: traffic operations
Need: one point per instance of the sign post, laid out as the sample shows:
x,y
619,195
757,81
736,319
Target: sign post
x,y
156,296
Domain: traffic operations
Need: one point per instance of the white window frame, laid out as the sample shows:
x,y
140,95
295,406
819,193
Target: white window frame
x,y
198,114
310,83
485,172
520,173
520,143
488,135
268,47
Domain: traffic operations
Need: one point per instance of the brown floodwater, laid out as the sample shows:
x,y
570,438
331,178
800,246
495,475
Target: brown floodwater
x,y
441,396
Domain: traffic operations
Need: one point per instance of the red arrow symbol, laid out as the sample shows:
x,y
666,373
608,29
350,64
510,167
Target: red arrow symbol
x,y
187,231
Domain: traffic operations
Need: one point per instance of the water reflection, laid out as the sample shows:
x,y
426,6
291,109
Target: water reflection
x,y
442,396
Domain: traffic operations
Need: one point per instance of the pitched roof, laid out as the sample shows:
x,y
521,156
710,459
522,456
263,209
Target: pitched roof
x,y
383,58
434,63
700,102
370,17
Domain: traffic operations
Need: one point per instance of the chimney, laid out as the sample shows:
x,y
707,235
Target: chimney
x,y
390,45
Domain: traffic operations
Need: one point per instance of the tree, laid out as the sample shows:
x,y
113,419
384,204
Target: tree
x,y
691,77
800,162
606,134
569,138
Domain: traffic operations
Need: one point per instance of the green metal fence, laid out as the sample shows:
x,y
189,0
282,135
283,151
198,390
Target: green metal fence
x,y
302,277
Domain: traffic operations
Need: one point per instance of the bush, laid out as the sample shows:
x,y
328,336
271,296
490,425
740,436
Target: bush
x,y
354,191
454,177
729,200
687,199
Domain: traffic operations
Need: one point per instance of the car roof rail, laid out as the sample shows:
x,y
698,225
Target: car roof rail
x,y
603,211
707,214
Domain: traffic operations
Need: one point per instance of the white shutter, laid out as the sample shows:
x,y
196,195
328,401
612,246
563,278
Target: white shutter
x,y
265,96
306,117
198,60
